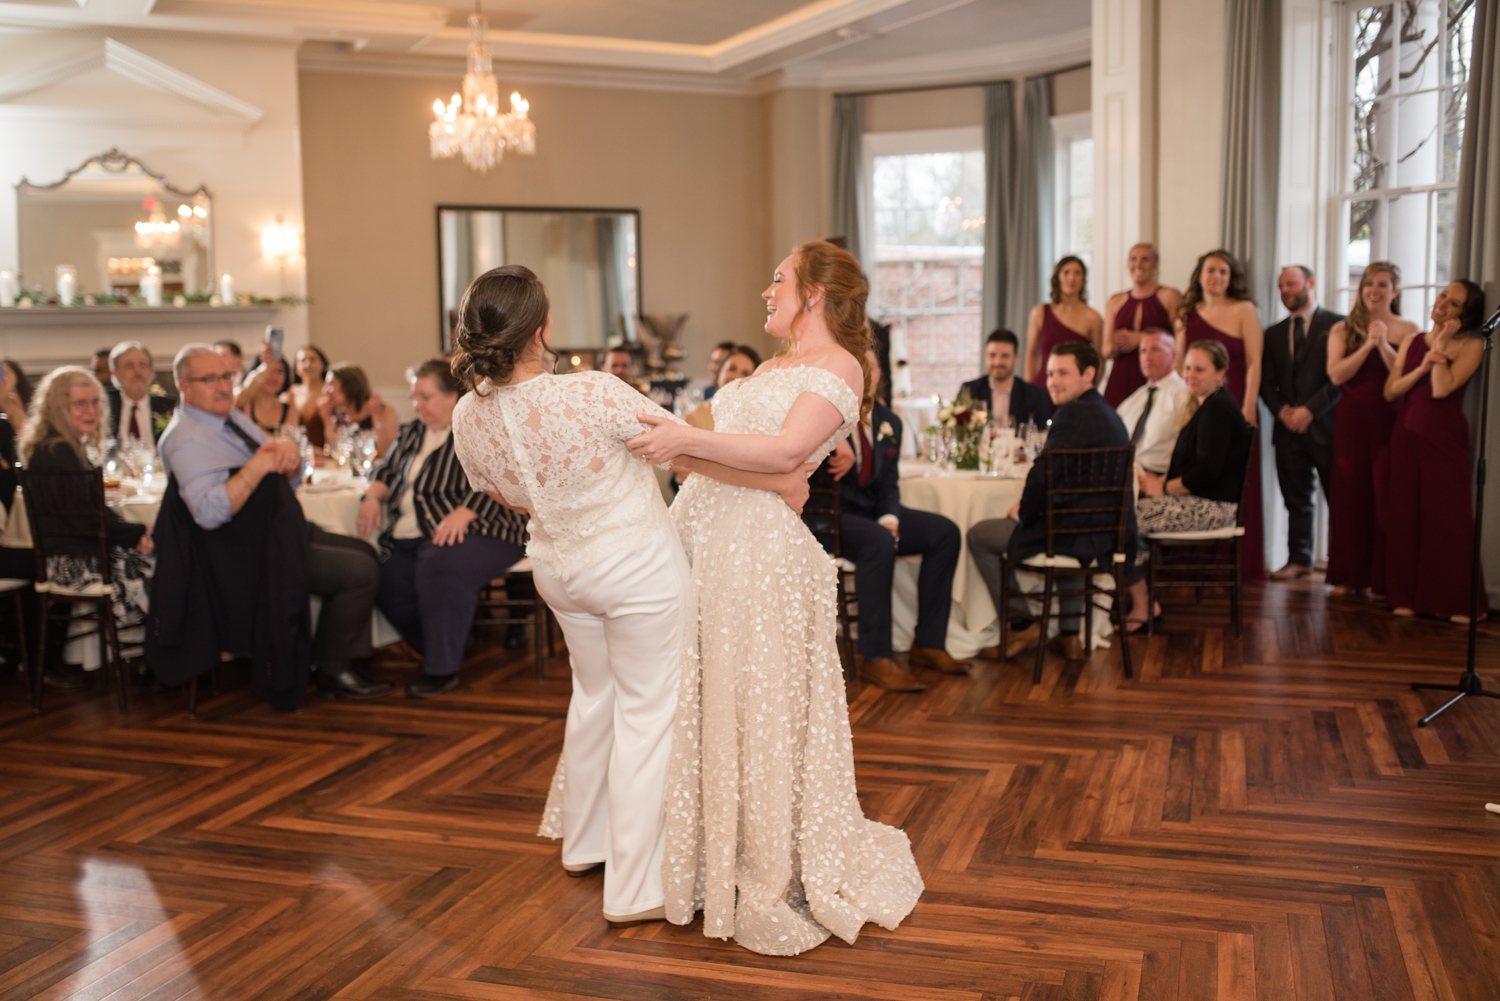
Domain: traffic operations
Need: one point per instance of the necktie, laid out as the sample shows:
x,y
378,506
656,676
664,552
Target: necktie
x,y
242,435
135,426
1299,334
1139,431
866,458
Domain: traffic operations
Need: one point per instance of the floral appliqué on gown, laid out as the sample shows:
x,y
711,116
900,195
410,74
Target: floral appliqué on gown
x,y
765,834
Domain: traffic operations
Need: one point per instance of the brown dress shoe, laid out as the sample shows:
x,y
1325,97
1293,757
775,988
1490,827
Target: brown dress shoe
x,y
1292,571
1071,647
886,673
938,660
1023,639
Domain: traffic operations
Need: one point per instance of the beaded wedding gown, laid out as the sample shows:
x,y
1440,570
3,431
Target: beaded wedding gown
x,y
765,834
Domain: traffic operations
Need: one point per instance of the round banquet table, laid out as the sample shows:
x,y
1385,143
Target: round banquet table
x,y
964,498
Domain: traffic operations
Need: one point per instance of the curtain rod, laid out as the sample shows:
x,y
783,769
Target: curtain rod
x,y
955,86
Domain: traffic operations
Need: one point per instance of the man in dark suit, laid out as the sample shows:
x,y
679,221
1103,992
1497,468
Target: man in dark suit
x,y
1017,397
1083,419
134,414
1295,387
875,530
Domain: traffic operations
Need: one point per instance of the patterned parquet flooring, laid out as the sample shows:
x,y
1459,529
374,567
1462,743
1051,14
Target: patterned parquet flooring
x,y
1252,818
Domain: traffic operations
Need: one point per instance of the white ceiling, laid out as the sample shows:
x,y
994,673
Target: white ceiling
x,y
694,44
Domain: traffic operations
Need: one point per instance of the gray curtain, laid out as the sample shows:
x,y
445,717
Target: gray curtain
x,y
1476,240
1252,113
1030,233
848,157
999,178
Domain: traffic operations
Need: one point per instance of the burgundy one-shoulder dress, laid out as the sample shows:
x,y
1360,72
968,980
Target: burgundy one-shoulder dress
x,y
1125,374
1361,468
1053,332
1199,329
1429,546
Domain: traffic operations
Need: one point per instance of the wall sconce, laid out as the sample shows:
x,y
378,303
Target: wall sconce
x,y
279,241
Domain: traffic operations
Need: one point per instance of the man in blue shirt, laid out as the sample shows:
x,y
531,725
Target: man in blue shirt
x,y
219,457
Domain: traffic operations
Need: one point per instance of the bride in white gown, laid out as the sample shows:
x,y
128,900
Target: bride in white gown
x,y
765,834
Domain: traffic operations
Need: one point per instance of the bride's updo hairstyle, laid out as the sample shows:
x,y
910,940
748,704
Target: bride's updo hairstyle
x,y
845,290
501,311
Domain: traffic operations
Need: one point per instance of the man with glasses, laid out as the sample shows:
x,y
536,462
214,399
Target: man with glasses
x,y
218,459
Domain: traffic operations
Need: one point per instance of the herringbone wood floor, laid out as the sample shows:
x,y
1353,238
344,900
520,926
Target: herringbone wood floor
x,y
1253,818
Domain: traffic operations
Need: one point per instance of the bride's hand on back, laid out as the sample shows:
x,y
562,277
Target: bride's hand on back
x,y
663,441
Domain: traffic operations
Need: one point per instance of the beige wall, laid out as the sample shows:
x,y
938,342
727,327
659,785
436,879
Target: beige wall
x,y
693,164
1190,95
951,108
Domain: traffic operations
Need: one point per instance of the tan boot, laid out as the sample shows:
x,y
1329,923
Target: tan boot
x,y
1023,639
938,660
886,673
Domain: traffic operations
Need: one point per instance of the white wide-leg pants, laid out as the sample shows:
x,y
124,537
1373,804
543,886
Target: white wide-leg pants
x,y
623,620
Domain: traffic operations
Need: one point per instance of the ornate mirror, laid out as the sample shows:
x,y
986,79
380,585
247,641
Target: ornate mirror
x,y
112,219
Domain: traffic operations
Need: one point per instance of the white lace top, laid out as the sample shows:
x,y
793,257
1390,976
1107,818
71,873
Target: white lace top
x,y
554,445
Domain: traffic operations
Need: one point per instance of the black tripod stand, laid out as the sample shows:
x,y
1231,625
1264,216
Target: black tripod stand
x,y
1468,682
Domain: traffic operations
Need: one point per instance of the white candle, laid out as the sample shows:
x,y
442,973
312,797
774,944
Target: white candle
x,y
67,285
226,290
9,288
151,286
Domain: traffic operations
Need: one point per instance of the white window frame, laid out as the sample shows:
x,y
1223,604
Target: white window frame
x,y
964,139
1065,130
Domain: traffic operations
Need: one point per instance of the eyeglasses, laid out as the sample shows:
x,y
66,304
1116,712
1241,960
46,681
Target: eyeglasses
x,y
226,377
89,404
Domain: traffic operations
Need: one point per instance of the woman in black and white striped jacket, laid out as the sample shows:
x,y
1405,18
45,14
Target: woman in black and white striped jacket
x,y
443,539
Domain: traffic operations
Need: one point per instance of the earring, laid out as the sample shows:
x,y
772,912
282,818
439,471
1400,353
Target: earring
x,y
809,307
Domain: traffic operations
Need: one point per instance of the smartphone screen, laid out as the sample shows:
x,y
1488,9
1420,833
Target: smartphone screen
x,y
274,338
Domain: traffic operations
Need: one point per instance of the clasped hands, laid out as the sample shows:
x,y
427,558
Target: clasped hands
x,y
279,455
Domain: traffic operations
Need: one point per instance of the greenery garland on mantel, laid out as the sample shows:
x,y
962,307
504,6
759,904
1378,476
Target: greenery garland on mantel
x,y
30,300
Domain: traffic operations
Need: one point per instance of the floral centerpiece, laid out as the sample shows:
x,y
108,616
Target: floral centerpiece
x,y
965,419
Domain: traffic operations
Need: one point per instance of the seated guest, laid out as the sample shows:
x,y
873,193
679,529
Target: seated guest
x,y
261,396
15,397
101,366
875,530
716,359
741,364
1153,412
1004,392
306,390
1082,420
66,424
347,399
135,416
619,363
1202,486
230,352
443,539
216,458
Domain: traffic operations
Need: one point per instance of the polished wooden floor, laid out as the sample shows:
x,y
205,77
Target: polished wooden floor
x,y
1254,818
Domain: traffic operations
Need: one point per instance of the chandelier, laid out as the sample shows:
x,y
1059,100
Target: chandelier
x,y
472,124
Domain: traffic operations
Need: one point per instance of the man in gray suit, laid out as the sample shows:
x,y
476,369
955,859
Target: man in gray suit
x,y
1294,385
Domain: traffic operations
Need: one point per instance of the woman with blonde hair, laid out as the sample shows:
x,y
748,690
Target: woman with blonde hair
x,y
1361,350
65,433
765,833
1147,304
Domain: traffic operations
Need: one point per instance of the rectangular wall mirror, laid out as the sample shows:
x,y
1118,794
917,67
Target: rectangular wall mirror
x,y
589,259
111,220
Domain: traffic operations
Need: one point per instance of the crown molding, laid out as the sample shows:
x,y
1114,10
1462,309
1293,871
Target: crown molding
x,y
106,53
1034,55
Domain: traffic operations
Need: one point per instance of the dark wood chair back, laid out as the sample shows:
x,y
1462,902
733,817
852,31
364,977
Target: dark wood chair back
x,y
1088,493
66,511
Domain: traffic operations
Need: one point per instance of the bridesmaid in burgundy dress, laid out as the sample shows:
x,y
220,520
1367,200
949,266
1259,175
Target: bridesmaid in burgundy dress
x,y
1217,307
1067,318
1429,511
1146,305
1361,351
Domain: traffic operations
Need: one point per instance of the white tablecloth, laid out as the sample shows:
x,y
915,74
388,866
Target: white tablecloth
x,y
964,498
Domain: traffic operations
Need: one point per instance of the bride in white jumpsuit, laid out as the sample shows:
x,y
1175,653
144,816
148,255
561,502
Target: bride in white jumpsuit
x,y
606,558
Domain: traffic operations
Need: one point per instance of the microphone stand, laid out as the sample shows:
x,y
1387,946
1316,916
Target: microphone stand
x,y
1468,682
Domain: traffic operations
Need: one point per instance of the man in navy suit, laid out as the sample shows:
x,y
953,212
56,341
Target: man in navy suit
x,y
876,529
1016,397
1083,420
